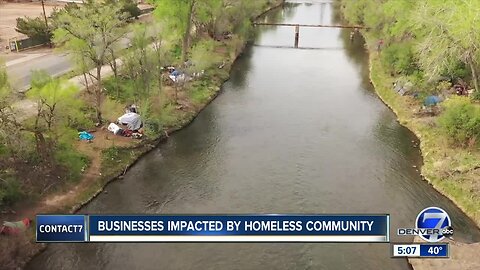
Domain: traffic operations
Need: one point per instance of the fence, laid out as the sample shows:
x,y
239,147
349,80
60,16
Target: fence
x,y
23,44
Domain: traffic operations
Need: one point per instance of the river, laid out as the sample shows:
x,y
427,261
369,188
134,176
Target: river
x,y
294,131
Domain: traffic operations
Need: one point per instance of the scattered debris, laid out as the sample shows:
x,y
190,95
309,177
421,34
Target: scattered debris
x,y
14,228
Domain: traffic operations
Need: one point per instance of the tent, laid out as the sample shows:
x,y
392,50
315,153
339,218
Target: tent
x,y
132,120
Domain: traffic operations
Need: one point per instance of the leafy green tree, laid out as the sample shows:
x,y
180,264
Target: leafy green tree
x,y
177,17
159,51
144,61
387,19
58,106
91,32
354,11
397,18
137,65
12,141
6,113
181,17
210,15
140,48
450,30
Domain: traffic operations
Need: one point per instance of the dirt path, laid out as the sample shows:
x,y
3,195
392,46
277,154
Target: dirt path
x,y
57,202
103,140
14,247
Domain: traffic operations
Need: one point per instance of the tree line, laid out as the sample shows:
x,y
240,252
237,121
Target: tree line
x,y
38,153
433,44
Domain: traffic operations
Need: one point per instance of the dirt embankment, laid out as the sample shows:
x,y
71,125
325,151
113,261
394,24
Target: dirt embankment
x,y
462,257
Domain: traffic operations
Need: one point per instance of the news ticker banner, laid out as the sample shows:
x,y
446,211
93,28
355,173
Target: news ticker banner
x,y
213,228
440,250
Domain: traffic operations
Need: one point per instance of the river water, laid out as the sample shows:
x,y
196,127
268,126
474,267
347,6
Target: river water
x,y
294,131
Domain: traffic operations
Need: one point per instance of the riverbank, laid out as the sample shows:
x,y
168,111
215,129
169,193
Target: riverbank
x,y
451,162
452,171
110,158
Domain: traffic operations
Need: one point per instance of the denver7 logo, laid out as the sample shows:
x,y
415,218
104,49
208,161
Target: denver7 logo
x,y
433,218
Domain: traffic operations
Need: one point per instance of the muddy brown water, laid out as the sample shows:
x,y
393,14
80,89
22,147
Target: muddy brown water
x,y
294,131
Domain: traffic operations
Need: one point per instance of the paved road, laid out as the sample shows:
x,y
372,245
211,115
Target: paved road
x,y
54,64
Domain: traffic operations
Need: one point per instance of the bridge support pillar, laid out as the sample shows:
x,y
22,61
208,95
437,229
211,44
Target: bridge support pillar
x,y
297,35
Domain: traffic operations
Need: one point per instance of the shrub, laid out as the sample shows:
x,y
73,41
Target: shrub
x,y
34,28
127,6
130,7
153,126
456,70
399,58
461,120
70,158
120,88
443,86
9,191
151,122
476,95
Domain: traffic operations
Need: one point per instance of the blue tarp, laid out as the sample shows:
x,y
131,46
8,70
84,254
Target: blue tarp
x,y
85,136
432,100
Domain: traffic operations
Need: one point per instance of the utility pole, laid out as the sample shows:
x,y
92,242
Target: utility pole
x,y
44,14
46,22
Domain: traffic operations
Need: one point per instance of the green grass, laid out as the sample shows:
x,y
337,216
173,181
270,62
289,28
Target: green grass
x,y
114,161
169,116
200,94
74,161
115,158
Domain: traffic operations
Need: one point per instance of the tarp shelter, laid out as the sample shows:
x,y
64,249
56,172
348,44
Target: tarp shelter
x,y
132,120
432,100
178,77
402,88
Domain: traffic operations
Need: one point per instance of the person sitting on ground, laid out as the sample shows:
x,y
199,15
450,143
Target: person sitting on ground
x,y
132,108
